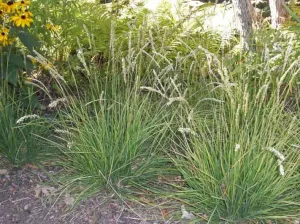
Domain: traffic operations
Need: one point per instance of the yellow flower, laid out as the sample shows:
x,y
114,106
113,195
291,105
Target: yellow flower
x,y
33,60
51,27
9,7
1,12
46,65
4,34
4,39
22,20
7,42
28,13
24,3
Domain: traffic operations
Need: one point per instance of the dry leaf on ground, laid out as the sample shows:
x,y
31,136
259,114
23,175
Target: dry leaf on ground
x,y
45,190
3,172
69,200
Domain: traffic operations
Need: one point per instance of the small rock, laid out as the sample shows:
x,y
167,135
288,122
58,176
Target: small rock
x,y
26,207
185,214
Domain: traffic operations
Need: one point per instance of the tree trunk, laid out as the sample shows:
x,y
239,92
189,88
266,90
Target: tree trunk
x,y
278,13
242,10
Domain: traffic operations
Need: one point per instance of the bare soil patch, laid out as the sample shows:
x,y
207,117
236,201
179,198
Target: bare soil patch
x,y
24,198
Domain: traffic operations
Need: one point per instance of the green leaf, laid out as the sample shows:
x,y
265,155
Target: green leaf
x,y
28,40
13,31
19,61
295,17
11,75
13,66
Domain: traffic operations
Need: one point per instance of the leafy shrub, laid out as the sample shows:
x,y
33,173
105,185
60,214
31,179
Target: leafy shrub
x,y
16,41
60,23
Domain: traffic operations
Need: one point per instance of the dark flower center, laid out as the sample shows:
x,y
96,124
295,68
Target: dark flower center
x,y
3,34
22,2
10,3
23,17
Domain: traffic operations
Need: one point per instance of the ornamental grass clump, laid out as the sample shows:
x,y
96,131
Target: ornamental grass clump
x,y
241,171
242,165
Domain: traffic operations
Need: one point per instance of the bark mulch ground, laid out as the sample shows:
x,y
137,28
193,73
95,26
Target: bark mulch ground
x,y
25,197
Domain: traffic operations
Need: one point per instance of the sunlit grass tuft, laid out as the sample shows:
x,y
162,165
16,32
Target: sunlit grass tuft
x,y
111,143
242,163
